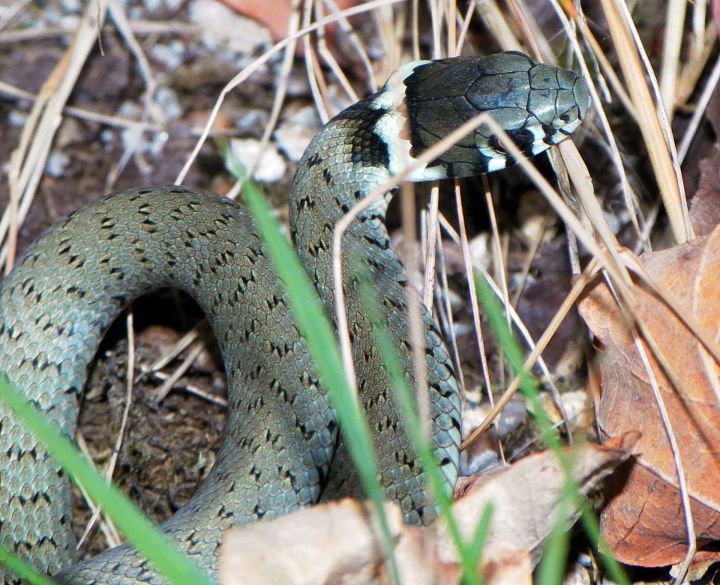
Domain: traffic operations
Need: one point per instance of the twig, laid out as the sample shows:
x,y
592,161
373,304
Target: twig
x,y
29,158
264,58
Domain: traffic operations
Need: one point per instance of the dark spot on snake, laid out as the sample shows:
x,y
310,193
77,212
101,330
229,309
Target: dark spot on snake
x,y
118,272
223,513
327,175
289,474
305,202
314,160
396,303
48,539
73,290
383,244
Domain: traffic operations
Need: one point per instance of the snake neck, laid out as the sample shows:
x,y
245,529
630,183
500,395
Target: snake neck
x,y
346,161
343,164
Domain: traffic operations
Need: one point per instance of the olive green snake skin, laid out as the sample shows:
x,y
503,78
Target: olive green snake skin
x,y
281,449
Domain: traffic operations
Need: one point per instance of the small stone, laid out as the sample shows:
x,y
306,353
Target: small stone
x,y
223,27
56,163
272,166
295,133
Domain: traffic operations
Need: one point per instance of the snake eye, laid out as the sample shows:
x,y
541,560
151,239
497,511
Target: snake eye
x,y
523,137
494,144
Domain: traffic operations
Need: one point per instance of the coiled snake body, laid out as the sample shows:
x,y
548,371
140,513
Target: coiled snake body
x,y
281,448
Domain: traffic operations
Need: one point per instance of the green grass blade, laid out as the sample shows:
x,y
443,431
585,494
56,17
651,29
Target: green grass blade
x,y
469,554
592,529
323,345
168,561
22,569
552,565
481,532
571,492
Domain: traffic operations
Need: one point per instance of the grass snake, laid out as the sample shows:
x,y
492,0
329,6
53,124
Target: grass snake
x,y
281,448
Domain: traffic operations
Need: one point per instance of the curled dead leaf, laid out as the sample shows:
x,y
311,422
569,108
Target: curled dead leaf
x,y
333,543
525,497
644,522
339,542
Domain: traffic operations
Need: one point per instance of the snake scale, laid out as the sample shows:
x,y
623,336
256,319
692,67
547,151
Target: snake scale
x,y
281,448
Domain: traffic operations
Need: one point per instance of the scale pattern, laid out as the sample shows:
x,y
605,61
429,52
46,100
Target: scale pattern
x,y
281,449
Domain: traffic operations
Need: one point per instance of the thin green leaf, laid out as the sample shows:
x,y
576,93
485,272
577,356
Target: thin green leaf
x,y
168,561
469,555
552,564
22,569
323,345
571,493
592,529
481,532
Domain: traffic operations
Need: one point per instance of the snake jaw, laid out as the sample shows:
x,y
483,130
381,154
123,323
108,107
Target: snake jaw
x,y
537,105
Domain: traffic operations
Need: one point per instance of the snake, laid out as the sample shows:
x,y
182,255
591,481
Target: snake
x,y
282,447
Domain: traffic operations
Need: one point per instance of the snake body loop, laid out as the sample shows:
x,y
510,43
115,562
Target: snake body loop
x,y
281,449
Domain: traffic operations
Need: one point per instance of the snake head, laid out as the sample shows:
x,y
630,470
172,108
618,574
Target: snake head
x,y
537,105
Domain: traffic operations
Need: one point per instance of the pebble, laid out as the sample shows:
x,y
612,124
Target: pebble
x,y
224,28
272,167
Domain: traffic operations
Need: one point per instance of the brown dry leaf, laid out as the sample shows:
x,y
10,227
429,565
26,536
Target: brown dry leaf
x,y
525,497
333,543
277,18
705,203
510,568
644,523
339,542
